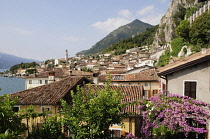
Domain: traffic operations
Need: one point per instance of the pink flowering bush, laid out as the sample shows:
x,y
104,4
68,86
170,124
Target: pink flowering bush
x,y
173,115
131,136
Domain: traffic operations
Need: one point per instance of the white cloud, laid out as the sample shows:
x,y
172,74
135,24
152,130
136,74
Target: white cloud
x,y
152,19
125,13
146,10
72,39
23,31
110,24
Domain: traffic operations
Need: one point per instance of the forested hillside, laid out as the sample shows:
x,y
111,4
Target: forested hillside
x,y
121,33
195,36
145,38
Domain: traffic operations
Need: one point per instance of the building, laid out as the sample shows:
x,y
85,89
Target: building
x,y
189,73
130,93
146,78
189,76
52,75
47,97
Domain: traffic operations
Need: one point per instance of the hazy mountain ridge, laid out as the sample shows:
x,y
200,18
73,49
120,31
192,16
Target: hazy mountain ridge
x,y
121,33
7,60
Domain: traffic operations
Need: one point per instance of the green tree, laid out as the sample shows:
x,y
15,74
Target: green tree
x,y
190,11
176,45
183,29
92,112
200,30
14,68
31,71
179,14
10,121
164,59
51,129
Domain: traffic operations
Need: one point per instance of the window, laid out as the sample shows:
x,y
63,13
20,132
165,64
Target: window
x,y
46,81
16,108
45,109
146,84
190,89
116,133
40,81
154,92
30,81
35,81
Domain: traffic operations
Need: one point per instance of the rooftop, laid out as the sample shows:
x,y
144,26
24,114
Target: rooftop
x,y
196,58
145,75
130,93
61,73
49,94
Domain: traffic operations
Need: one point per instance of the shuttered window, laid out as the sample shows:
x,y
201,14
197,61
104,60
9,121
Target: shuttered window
x,y
190,89
154,92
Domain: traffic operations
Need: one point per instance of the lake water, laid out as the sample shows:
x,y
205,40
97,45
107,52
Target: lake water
x,y
10,85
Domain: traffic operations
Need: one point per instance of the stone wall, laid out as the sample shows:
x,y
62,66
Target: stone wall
x,y
203,9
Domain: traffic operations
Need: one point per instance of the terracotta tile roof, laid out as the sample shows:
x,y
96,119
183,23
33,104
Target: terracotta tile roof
x,y
185,62
130,93
61,73
142,67
49,94
113,71
146,75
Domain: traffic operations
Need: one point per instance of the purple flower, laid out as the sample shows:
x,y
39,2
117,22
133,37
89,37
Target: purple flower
x,y
172,112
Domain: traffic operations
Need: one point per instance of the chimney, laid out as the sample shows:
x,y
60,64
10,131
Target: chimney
x,y
95,78
70,72
203,51
51,77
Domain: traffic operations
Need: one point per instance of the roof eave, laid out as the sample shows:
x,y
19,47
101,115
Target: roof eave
x,y
183,66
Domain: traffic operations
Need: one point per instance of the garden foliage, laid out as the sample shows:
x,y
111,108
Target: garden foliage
x,y
169,116
92,112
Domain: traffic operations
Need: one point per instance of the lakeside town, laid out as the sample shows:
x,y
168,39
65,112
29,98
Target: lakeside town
x,y
154,84
137,80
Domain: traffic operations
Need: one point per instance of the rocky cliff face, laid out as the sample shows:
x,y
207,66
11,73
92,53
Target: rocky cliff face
x,y
170,20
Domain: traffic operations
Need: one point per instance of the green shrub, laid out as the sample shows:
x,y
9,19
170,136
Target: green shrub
x,y
176,45
183,29
199,30
190,12
164,59
179,15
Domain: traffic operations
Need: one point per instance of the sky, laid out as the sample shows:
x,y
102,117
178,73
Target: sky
x,y
44,29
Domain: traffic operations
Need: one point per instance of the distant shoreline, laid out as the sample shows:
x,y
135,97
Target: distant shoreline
x,y
2,70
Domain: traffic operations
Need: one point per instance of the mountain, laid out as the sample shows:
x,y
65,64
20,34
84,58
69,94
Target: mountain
x,y
6,60
145,38
177,11
123,32
183,30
